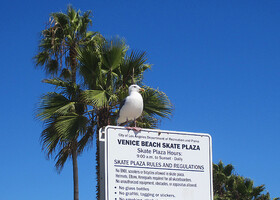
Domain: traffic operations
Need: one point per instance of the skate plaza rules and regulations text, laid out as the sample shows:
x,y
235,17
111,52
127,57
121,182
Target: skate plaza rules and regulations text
x,y
157,165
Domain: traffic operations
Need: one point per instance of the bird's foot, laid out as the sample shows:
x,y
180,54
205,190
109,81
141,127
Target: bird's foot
x,y
134,128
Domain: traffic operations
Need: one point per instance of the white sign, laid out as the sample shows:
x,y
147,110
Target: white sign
x,y
157,165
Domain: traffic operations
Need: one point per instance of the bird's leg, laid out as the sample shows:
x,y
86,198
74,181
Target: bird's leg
x,y
134,128
128,127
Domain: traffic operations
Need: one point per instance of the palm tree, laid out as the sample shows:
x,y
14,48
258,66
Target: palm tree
x,y
244,189
63,112
65,125
108,71
229,186
222,176
59,41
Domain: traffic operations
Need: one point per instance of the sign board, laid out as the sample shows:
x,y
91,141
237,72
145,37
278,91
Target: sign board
x,y
156,165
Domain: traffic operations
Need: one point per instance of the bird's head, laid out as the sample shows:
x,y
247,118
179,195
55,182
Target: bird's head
x,y
134,88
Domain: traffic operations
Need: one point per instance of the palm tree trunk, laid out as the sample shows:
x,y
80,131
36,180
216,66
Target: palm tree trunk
x,y
103,120
75,173
97,165
73,62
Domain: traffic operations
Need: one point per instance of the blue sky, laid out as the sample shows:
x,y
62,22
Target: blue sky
x,y
218,61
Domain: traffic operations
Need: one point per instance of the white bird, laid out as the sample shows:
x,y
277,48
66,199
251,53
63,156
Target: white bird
x,y
132,106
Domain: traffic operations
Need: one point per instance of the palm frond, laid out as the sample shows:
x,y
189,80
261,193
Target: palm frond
x,y
60,20
112,53
91,35
85,21
87,139
56,81
70,126
54,104
50,138
48,63
96,98
72,13
156,103
41,58
89,66
133,67
62,157
68,88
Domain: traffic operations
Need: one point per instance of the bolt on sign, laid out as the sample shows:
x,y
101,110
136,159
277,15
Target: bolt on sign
x,y
155,165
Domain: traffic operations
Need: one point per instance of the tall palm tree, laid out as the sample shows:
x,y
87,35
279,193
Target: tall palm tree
x,y
59,41
65,125
107,72
63,112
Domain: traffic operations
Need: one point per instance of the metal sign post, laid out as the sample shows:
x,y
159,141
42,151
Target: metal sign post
x,y
155,165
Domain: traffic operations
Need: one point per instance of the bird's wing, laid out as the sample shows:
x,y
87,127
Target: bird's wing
x,y
121,105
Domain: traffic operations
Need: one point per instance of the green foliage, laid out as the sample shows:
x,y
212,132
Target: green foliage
x,y
105,69
108,71
73,113
64,33
228,186
95,98
64,120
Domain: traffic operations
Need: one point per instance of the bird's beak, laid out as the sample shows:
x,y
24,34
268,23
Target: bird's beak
x,y
142,89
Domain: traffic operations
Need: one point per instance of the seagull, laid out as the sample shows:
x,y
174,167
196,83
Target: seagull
x,y
131,107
